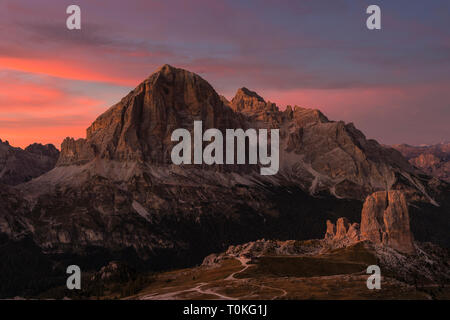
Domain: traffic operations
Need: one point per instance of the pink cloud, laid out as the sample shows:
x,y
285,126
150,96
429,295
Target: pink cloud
x,y
42,111
65,69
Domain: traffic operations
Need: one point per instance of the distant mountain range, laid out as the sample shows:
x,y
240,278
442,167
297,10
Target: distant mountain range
x,y
433,159
18,165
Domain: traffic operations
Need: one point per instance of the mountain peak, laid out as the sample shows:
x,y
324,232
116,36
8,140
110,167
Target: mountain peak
x,y
247,100
165,72
139,127
167,68
246,92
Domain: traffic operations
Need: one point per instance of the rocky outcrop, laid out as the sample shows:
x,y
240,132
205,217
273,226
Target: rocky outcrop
x,y
18,165
263,247
385,221
343,232
75,152
331,230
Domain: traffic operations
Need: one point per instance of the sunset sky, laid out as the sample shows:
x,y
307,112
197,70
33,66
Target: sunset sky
x,y
394,84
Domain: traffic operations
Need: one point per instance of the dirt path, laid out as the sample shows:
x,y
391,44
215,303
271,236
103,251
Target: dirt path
x,y
199,287
284,292
174,295
244,262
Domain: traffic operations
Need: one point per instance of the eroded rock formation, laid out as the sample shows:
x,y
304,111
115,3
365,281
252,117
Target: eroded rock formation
x,y
385,220
343,231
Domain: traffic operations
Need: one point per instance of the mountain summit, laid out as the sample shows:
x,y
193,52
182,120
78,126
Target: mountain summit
x,y
246,100
138,128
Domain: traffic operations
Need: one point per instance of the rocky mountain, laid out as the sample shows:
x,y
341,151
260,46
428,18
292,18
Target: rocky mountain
x,y
18,165
116,194
433,160
139,127
317,154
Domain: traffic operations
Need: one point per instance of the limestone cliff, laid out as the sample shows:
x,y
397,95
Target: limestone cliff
x,y
385,220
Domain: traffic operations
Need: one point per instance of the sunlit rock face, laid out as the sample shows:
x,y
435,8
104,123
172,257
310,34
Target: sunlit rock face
x,y
139,127
343,231
385,220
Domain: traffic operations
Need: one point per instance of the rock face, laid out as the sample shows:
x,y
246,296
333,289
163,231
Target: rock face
x,y
139,127
18,165
385,220
433,160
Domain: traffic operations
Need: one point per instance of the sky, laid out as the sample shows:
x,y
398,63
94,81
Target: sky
x,y
393,83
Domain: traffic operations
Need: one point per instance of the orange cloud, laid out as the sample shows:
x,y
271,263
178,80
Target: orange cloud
x,y
24,97
65,69
36,109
